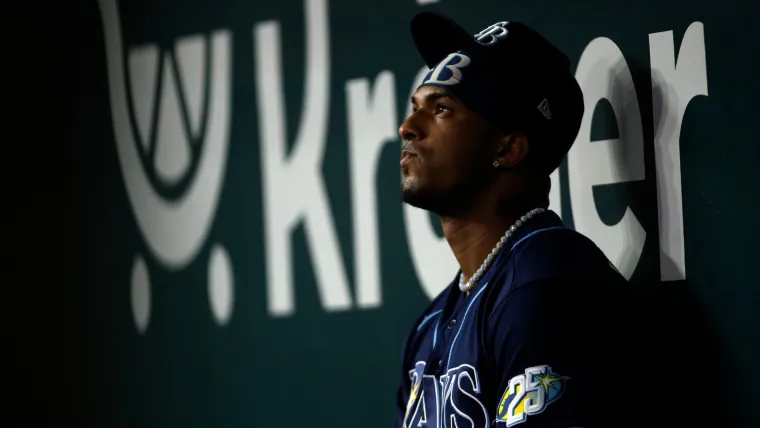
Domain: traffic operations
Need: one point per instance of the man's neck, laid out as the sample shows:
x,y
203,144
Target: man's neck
x,y
473,237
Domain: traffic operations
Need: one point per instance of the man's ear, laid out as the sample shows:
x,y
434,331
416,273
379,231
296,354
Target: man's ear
x,y
511,149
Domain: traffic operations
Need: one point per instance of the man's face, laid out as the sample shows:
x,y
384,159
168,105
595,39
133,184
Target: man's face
x,y
446,160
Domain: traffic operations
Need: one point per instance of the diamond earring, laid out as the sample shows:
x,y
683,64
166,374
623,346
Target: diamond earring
x,y
495,164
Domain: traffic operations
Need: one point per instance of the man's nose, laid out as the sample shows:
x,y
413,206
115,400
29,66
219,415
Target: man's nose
x,y
409,131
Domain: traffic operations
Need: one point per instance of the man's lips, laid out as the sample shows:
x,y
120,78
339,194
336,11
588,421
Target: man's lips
x,y
406,157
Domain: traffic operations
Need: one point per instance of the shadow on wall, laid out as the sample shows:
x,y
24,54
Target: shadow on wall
x,y
704,386
689,380
691,370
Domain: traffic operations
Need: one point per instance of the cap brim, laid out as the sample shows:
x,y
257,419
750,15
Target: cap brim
x,y
436,36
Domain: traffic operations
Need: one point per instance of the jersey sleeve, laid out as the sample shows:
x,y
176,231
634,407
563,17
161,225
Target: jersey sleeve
x,y
403,389
402,396
545,339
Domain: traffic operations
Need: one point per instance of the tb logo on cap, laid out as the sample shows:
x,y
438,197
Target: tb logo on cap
x,y
493,33
449,71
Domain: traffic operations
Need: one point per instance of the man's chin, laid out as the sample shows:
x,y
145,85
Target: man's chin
x,y
407,196
444,203
411,196
419,198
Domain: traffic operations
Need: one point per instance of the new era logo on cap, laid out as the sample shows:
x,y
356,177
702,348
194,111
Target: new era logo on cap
x,y
544,108
493,33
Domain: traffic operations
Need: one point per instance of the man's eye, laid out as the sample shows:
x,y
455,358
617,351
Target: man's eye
x,y
441,108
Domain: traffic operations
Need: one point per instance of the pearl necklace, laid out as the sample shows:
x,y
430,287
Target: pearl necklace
x,y
466,287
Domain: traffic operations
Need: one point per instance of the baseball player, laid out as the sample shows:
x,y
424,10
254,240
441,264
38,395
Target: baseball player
x,y
534,330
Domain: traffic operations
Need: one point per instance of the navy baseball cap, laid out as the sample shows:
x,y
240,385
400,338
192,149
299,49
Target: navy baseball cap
x,y
509,75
